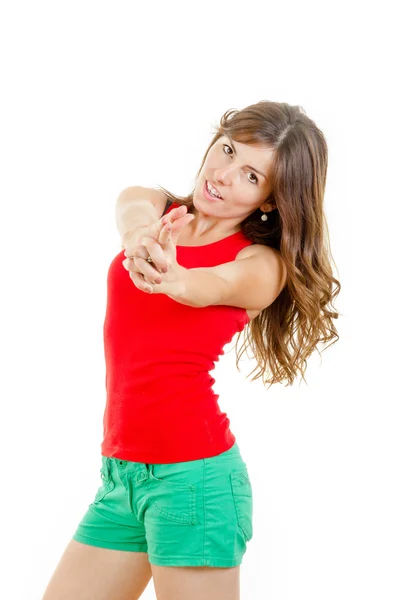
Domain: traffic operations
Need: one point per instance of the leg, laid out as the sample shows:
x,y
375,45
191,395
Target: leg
x,y
201,583
90,573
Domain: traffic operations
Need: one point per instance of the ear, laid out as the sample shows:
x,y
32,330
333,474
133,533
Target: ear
x,y
268,206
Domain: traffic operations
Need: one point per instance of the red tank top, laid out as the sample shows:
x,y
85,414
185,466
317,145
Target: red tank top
x,y
160,405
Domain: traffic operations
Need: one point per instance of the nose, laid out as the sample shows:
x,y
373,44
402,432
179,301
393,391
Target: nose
x,y
224,175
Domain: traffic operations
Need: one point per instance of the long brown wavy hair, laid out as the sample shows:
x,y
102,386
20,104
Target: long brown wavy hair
x,y
286,333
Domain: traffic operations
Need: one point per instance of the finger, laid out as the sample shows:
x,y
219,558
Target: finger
x,y
131,243
175,213
169,218
155,250
173,216
178,224
156,253
170,236
151,243
142,267
148,271
140,282
164,237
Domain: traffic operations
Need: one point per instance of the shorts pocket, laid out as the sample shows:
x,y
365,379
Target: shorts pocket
x,y
243,500
107,482
175,502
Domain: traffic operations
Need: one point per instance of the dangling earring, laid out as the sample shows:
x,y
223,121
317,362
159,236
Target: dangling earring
x,y
263,216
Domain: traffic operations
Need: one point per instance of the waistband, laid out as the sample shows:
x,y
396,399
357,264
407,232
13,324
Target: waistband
x,y
111,462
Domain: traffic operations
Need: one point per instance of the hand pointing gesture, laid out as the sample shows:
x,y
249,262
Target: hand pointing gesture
x,y
162,252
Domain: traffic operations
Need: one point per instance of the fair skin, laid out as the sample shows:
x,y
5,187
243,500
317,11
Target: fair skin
x,y
86,572
252,284
243,190
90,572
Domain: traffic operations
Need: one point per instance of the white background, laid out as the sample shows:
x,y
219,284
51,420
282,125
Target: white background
x,y
97,96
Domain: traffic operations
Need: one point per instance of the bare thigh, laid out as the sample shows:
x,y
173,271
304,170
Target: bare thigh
x,y
201,583
89,573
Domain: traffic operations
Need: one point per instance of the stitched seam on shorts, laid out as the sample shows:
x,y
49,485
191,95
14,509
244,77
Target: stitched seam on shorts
x,y
204,505
196,562
90,537
216,558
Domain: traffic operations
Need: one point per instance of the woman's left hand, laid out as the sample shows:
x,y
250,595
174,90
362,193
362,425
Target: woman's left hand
x,y
173,280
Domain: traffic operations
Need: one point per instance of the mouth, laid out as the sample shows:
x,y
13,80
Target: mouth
x,y
207,194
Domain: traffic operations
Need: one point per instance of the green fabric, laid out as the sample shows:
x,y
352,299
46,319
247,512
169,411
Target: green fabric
x,y
195,513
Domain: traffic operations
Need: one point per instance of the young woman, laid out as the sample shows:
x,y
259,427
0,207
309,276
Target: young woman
x,y
246,248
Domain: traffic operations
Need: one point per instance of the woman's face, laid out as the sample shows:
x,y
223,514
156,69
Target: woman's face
x,y
240,174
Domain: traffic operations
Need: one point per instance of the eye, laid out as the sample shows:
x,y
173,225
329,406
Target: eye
x,y
251,173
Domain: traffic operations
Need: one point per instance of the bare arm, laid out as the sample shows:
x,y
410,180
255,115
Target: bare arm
x,y
138,207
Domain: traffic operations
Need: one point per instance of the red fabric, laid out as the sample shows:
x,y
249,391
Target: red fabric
x,y
160,406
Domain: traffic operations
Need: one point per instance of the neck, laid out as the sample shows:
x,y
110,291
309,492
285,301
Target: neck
x,y
209,226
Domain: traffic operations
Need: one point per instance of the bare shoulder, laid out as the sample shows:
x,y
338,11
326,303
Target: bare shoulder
x,y
265,252
262,249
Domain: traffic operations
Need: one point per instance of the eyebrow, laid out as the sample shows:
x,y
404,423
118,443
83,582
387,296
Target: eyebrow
x,y
248,166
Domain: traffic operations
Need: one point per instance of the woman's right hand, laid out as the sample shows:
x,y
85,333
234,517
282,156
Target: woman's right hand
x,y
143,242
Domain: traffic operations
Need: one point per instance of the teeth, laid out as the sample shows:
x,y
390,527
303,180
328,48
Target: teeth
x,y
212,190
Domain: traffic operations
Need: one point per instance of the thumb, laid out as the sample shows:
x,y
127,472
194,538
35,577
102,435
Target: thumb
x,y
179,226
170,232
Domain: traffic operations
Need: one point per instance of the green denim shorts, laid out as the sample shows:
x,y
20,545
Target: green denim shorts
x,y
195,513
